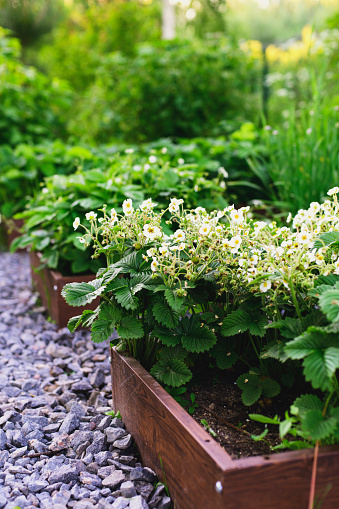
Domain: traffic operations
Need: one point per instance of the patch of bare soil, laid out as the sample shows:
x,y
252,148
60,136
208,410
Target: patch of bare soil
x,y
221,406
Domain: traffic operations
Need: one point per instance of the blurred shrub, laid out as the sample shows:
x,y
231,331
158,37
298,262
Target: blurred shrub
x,y
87,34
29,20
31,104
181,89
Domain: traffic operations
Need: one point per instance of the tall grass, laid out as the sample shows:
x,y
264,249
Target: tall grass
x,y
304,156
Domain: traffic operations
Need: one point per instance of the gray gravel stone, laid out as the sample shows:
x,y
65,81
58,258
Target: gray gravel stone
x,y
123,443
114,480
65,474
70,424
127,489
138,503
114,434
120,503
49,419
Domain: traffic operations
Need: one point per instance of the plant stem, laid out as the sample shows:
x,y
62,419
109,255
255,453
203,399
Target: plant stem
x,y
294,298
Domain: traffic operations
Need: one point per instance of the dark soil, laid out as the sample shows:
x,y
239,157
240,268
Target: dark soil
x,y
221,406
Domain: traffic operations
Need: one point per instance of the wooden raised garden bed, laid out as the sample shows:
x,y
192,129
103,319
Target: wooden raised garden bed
x,y
49,284
11,231
199,473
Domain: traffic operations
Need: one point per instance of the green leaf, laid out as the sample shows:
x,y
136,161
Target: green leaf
x,y
289,327
74,322
257,326
174,372
326,239
104,325
167,337
125,297
165,315
264,419
224,354
329,280
284,427
174,300
251,394
270,388
318,426
314,338
130,264
170,353
130,328
79,294
329,304
319,368
308,402
194,336
257,438
236,322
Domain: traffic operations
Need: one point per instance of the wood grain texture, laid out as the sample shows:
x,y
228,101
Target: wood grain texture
x,y
49,284
193,462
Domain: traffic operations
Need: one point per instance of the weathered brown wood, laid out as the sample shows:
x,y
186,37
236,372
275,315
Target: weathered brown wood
x,y
12,231
193,463
49,284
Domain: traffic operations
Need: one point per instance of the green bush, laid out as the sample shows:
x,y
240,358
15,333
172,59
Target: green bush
x,y
23,168
87,34
31,104
179,89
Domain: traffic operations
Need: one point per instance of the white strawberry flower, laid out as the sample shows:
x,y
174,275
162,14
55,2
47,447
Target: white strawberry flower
x,y
265,286
152,159
163,250
151,232
127,207
154,264
151,252
334,190
114,216
237,216
76,223
205,229
174,204
147,204
90,216
179,236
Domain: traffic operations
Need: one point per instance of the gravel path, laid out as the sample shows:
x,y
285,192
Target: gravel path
x,y
58,448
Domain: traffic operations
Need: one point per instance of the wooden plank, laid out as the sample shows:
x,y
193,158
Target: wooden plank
x,y
193,462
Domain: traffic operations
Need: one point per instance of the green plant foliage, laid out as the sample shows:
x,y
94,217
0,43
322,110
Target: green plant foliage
x,y
240,321
86,35
254,386
166,90
32,104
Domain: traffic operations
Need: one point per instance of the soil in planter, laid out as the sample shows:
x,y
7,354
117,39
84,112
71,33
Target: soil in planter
x,y
219,400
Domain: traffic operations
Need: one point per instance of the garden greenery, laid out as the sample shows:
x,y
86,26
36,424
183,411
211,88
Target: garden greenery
x,y
32,105
196,168
175,88
226,287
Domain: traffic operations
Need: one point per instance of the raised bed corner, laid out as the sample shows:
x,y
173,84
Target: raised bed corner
x,y
198,472
49,284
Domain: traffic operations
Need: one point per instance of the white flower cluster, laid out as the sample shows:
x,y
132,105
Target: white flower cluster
x,y
256,255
